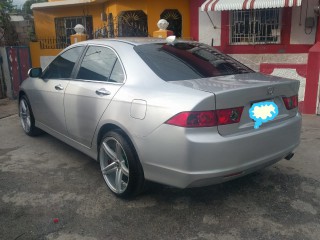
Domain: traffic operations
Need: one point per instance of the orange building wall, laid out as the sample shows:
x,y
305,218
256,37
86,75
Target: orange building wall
x,y
36,52
153,9
44,18
45,26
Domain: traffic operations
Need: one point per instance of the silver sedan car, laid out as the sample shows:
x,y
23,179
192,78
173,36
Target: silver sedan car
x,y
178,113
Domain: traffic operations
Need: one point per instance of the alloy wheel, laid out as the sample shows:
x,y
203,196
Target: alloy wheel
x,y
114,165
25,116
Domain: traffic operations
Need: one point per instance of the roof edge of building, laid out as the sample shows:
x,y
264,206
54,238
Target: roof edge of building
x,y
63,3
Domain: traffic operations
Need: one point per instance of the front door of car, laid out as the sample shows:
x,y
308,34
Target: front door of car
x,y
50,97
99,77
48,100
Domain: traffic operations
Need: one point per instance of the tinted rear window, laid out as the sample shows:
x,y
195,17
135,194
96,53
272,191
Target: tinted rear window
x,y
183,61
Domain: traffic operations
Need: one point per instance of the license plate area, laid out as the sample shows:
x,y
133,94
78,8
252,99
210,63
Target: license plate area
x,y
263,111
263,100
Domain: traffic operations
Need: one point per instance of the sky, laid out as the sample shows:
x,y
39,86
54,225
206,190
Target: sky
x,y
19,3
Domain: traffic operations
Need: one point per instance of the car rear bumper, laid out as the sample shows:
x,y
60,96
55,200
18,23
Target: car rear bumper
x,y
198,157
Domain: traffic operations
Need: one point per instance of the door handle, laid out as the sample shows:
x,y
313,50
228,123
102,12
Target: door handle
x,y
58,87
102,92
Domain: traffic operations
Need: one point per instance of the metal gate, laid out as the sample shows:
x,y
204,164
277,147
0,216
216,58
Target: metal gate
x,y
19,62
318,111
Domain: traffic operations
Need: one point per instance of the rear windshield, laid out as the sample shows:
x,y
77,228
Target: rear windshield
x,y
191,60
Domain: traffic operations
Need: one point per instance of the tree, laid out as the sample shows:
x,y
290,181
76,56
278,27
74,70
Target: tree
x,y
6,6
26,8
8,34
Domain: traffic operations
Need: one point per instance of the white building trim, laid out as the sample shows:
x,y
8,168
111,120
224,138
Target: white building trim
x,y
63,3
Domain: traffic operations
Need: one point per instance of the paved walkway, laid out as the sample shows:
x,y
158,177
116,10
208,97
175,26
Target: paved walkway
x,y
8,107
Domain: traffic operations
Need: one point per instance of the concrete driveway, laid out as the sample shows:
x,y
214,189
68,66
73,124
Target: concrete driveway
x,y
51,191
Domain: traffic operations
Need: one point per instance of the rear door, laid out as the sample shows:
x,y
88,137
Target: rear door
x,y
99,77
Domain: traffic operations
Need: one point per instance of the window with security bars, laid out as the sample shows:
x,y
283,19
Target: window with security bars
x,y
255,26
65,27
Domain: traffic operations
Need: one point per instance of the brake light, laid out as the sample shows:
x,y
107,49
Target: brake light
x,y
206,118
290,102
194,119
229,116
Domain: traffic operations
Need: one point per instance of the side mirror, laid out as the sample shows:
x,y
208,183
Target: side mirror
x,y
35,72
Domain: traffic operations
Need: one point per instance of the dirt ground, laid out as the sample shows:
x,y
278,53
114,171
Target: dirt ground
x,y
51,191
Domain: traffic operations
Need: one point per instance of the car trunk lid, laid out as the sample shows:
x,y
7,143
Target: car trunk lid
x,y
243,90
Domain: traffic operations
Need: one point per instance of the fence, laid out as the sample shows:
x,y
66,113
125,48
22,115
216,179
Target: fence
x,y
52,43
126,24
19,63
2,80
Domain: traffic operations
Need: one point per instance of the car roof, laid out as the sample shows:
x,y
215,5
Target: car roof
x,y
129,40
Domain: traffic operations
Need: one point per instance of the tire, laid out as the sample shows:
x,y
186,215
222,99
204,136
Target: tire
x,y
120,166
27,118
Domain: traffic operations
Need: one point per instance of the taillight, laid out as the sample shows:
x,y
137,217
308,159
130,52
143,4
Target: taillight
x,y
206,118
194,119
229,116
291,102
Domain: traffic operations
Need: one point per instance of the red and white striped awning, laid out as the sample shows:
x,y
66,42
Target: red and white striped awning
x,y
226,5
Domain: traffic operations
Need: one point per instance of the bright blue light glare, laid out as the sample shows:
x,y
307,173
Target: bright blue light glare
x,y
263,112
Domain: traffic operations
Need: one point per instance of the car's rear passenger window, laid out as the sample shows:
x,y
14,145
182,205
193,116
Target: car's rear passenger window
x,y
100,64
117,74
